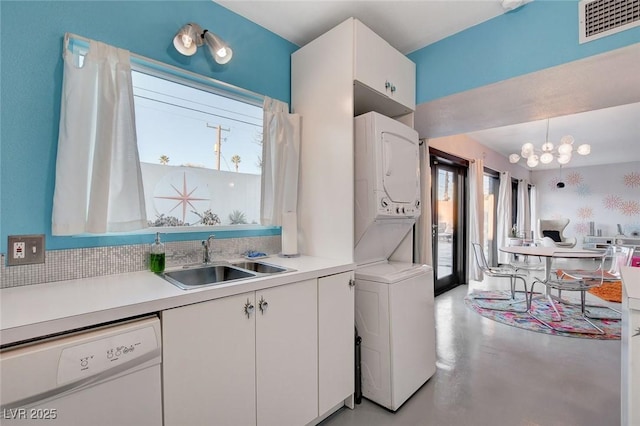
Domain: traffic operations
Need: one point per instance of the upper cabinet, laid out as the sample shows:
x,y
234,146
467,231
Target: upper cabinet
x,y
384,79
345,72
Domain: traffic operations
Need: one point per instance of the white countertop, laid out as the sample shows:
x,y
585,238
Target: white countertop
x,y
33,311
631,283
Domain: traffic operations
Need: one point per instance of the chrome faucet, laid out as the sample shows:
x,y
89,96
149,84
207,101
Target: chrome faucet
x,y
206,246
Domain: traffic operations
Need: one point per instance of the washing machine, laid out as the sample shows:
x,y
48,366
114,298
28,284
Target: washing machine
x,y
395,319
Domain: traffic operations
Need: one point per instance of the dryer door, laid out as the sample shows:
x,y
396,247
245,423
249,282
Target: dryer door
x,y
401,173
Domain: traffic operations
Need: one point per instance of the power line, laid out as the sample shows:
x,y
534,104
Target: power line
x,y
192,101
197,110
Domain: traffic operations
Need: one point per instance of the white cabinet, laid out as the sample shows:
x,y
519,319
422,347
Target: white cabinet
x,y
336,339
208,363
382,68
630,360
287,354
249,359
334,78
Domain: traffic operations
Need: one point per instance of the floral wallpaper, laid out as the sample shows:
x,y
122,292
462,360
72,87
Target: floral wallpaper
x,y
608,195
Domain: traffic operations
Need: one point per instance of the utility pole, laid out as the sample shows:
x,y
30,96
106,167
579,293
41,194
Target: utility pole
x,y
218,146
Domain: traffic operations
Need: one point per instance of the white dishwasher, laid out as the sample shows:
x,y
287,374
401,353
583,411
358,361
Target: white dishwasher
x,y
101,376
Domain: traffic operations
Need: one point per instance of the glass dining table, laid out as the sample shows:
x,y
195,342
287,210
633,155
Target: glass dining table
x,y
548,253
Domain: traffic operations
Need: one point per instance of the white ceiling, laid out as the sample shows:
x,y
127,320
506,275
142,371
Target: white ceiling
x,y
501,116
407,25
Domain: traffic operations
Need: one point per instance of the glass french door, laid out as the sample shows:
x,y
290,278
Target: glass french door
x,y
490,185
448,224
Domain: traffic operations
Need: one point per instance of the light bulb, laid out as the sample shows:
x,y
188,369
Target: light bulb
x,y
546,158
222,52
564,158
514,158
584,149
527,150
568,139
186,40
532,161
547,147
565,149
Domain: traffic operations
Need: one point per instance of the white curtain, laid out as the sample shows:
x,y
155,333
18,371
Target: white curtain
x,y
280,163
423,241
523,220
98,184
475,225
533,224
504,215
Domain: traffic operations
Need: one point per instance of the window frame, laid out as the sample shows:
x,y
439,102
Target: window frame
x,y
80,45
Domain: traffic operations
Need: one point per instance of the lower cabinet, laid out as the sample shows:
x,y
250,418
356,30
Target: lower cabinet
x,y
248,359
208,363
335,339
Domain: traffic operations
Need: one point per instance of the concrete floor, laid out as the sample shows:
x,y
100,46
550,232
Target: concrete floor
x,y
493,374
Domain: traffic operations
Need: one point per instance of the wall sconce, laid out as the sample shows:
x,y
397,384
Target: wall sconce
x,y
191,36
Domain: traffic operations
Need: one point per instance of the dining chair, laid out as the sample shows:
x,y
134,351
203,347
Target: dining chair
x,y
580,280
502,272
620,256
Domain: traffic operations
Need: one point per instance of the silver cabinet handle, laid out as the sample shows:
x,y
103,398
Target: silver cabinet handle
x,y
263,305
637,333
387,85
352,282
248,308
393,88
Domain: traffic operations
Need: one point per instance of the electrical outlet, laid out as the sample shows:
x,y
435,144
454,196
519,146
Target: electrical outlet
x,y
25,249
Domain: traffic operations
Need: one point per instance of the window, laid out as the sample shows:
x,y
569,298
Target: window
x,y
200,153
491,183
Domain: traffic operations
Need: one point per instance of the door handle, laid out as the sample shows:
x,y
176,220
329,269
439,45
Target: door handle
x,y
637,333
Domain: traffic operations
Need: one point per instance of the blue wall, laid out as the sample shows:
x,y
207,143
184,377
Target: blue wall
x,y
539,35
31,80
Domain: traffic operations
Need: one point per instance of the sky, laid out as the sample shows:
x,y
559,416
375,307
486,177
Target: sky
x,y
181,122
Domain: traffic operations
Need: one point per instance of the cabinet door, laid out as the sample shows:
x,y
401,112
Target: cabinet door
x,y
287,354
382,68
335,339
209,363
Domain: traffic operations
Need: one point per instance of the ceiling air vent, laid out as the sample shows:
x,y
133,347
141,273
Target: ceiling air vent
x,y
600,18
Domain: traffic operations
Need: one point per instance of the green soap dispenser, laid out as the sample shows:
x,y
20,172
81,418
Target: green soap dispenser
x,y
156,255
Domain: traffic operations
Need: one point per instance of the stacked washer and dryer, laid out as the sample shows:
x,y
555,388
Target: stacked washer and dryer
x,y
394,300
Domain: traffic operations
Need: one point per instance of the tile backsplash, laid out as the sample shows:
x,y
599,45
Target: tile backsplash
x,y
91,262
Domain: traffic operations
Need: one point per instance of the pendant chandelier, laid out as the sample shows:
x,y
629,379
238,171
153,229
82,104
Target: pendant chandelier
x,y
546,153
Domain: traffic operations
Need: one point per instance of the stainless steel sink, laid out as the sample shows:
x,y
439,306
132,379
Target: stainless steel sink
x,y
207,275
196,276
260,267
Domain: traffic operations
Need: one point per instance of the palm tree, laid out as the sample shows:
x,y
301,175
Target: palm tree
x,y
164,160
236,160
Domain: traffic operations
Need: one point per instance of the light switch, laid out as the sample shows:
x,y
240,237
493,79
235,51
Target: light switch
x,y
25,249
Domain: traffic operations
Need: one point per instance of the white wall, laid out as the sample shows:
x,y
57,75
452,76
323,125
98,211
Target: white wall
x,y
218,190
607,195
464,147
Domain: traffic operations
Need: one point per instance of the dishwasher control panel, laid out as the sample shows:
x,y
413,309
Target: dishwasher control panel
x,y
106,353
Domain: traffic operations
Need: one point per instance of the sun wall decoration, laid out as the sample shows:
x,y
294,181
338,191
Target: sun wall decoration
x,y
181,194
630,208
632,180
574,178
583,190
585,212
581,228
612,202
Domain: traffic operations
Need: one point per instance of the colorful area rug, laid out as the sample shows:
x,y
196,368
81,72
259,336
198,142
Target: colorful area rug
x,y
610,291
572,324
